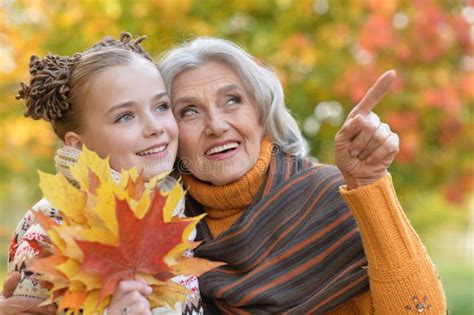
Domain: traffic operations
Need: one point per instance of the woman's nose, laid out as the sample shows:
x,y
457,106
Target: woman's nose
x,y
216,124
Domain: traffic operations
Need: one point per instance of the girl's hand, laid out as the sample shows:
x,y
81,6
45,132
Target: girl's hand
x,y
365,147
20,305
130,298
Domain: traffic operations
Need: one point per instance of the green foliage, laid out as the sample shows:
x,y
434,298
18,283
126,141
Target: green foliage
x,y
458,282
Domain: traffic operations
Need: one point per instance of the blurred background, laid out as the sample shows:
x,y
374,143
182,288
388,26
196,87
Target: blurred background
x,y
327,54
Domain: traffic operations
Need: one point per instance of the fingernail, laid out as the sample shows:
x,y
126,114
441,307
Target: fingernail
x,y
354,153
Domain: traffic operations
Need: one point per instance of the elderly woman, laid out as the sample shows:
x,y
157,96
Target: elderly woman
x,y
296,237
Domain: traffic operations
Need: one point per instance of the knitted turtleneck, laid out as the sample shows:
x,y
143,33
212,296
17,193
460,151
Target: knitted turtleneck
x,y
225,204
66,157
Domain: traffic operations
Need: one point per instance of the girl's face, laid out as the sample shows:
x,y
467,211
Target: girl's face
x,y
127,116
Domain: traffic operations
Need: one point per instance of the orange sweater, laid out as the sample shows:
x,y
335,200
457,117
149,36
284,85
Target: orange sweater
x,y
403,280
402,277
229,201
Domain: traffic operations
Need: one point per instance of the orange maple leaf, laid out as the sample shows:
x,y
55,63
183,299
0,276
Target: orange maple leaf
x,y
142,247
136,188
112,230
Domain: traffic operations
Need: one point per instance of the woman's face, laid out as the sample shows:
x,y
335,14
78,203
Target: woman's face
x,y
219,128
127,116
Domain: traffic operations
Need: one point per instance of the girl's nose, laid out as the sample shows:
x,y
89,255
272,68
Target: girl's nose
x,y
152,126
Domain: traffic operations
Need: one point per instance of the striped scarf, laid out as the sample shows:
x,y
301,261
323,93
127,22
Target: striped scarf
x,y
295,249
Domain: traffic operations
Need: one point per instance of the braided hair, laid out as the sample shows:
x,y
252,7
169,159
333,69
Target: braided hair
x,y
58,83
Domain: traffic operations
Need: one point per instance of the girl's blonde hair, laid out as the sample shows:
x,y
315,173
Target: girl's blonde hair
x,y
58,84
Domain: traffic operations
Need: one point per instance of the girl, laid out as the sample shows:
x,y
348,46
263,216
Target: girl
x,y
110,98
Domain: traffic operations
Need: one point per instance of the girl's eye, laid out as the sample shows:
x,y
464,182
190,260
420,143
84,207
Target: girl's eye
x,y
125,117
162,107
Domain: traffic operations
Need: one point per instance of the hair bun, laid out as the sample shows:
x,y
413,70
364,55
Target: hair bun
x,y
47,96
125,37
126,41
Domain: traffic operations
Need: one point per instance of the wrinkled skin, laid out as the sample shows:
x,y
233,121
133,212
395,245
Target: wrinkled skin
x,y
365,147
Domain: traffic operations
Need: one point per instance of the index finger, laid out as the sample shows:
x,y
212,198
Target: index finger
x,y
127,286
374,94
46,309
20,304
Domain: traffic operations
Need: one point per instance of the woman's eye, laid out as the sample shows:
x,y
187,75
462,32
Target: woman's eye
x,y
188,112
124,117
162,107
234,100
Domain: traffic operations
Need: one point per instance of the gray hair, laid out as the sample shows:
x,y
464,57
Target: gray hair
x,y
259,80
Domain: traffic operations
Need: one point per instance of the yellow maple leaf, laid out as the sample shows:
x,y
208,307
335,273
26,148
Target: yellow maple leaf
x,y
100,221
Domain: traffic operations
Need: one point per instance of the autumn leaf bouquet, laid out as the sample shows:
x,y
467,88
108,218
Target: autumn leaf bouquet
x,y
113,230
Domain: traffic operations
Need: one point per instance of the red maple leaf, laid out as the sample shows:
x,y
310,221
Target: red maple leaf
x,y
142,246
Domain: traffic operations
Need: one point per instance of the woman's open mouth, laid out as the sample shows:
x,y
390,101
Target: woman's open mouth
x,y
223,151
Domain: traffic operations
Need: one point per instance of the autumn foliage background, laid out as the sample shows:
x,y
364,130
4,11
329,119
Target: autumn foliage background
x,y
327,54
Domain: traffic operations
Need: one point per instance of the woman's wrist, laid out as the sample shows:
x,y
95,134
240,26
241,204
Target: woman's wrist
x,y
353,183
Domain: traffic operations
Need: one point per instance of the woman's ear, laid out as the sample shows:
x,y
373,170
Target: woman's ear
x,y
72,139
